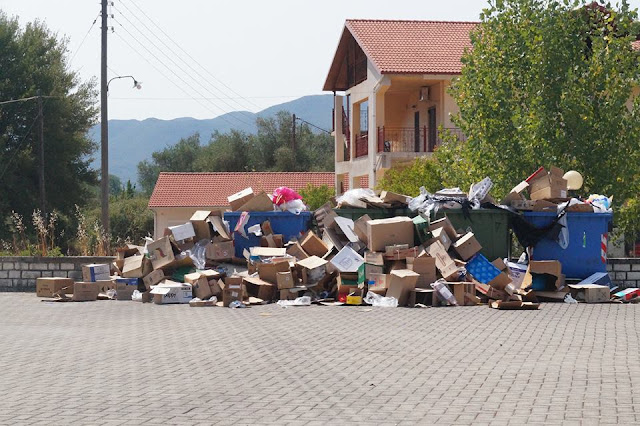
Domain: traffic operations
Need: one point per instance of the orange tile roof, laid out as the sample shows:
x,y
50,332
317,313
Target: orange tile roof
x,y
212,189
636,45
423,47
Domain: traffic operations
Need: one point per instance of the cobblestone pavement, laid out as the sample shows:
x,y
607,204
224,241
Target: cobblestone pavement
x,y
128,363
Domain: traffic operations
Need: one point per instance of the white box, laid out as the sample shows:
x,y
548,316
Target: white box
x,y
171,292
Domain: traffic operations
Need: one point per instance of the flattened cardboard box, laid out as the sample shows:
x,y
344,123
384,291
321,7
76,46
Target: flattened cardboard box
x,y
85,291
47,287
96,272
388,232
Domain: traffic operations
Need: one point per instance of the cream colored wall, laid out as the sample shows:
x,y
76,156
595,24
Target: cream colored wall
x,y
635,92
171,216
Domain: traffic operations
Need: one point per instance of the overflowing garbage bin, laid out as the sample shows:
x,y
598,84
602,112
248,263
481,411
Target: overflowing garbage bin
x,y
289,225
586,252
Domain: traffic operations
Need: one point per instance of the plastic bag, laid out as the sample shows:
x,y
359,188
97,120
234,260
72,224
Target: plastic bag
x,y
299,301
569,299
479,192
295,207
237,304
444,293
197,254
600,203
284,195
353,196
136,296
375,299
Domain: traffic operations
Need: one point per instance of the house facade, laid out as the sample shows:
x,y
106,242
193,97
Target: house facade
x,y
394,76
177,196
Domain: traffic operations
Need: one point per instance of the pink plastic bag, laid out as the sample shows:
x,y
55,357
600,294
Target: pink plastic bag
x,y
284,195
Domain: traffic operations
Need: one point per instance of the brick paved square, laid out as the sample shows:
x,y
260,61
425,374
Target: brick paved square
x,y
127,363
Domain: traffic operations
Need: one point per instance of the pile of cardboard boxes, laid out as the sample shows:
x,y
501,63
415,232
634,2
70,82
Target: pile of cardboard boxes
x,y
413,260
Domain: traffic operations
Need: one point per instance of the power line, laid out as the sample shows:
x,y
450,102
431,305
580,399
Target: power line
x,y
83,40
200,76
163,74
171,70
312,125
19,146
11,101
189,56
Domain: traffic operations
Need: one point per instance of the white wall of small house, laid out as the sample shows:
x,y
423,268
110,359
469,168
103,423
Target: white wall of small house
x,y
164,217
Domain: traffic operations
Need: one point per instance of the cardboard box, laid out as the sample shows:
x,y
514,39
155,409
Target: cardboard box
x,y
440,234
388,232
153,278
373,264
136,267
393,198
549,192
233,290
269,271
590,293
239,199
287,294
313,269
219,251
379,283
544,267
199,285
297,251
447,267
347,260
105,285
160,252
183,233
421,227
201,225
170,292
96,272
314,246
446,224
260,203
125,288
354,298
467,246
259,288
272,240
402,283
268,252
47,287
556,183
600,278
465,293
346,283
426,268
85,291
526,205
285,280
360,228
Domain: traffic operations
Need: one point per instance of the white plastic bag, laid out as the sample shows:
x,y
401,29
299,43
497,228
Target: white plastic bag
x,y
197,254
375,299
294,206
136,296
353,196
299,301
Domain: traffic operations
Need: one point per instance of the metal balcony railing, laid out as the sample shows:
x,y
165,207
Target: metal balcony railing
x,y
411,139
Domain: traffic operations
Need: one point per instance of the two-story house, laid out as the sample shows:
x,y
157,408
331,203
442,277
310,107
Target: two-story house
x,y
394,75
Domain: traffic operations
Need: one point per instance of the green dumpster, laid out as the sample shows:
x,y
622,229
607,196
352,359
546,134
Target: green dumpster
x,y
490,227
355,214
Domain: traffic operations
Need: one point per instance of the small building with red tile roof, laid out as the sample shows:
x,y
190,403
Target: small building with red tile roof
x,y
177,196
395,75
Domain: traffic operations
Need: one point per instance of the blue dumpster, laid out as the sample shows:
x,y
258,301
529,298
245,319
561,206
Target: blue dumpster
x,y
288,224
588,235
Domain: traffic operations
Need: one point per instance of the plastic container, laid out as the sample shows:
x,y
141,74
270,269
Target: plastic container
x,y
355,214
585,255
288,224
490,227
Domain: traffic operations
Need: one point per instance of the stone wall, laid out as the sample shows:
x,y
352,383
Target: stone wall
x,y
625,272
19,273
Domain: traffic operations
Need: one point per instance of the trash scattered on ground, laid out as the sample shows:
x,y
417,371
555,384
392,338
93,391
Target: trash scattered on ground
x,y
380,249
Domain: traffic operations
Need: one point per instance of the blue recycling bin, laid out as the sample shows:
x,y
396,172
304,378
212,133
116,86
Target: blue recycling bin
x,y
288,224
587,250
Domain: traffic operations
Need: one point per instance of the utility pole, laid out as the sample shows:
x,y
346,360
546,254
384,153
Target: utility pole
x,y
104,122
43,200
293,134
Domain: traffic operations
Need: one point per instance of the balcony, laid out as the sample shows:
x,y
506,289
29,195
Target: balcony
x,y
410,139
362,145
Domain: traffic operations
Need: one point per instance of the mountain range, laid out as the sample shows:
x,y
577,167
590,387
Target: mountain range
x,y
132,141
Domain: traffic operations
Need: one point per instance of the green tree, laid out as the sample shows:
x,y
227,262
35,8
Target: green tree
x,y
225,152
547,83
315,196
34,60
180,157
115,185
407,180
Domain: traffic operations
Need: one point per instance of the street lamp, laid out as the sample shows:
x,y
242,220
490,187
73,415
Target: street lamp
x,y
104,142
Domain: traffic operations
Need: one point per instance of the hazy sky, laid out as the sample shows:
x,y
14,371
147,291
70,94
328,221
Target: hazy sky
x,y
248,54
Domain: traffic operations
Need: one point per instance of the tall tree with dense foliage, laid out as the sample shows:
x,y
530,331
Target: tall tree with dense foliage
x,y
548,82
33,60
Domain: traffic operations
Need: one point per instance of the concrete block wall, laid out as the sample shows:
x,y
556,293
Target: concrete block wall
x,y
19,273
625,272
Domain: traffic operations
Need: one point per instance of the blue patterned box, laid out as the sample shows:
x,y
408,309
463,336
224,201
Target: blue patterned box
x,y
481,269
